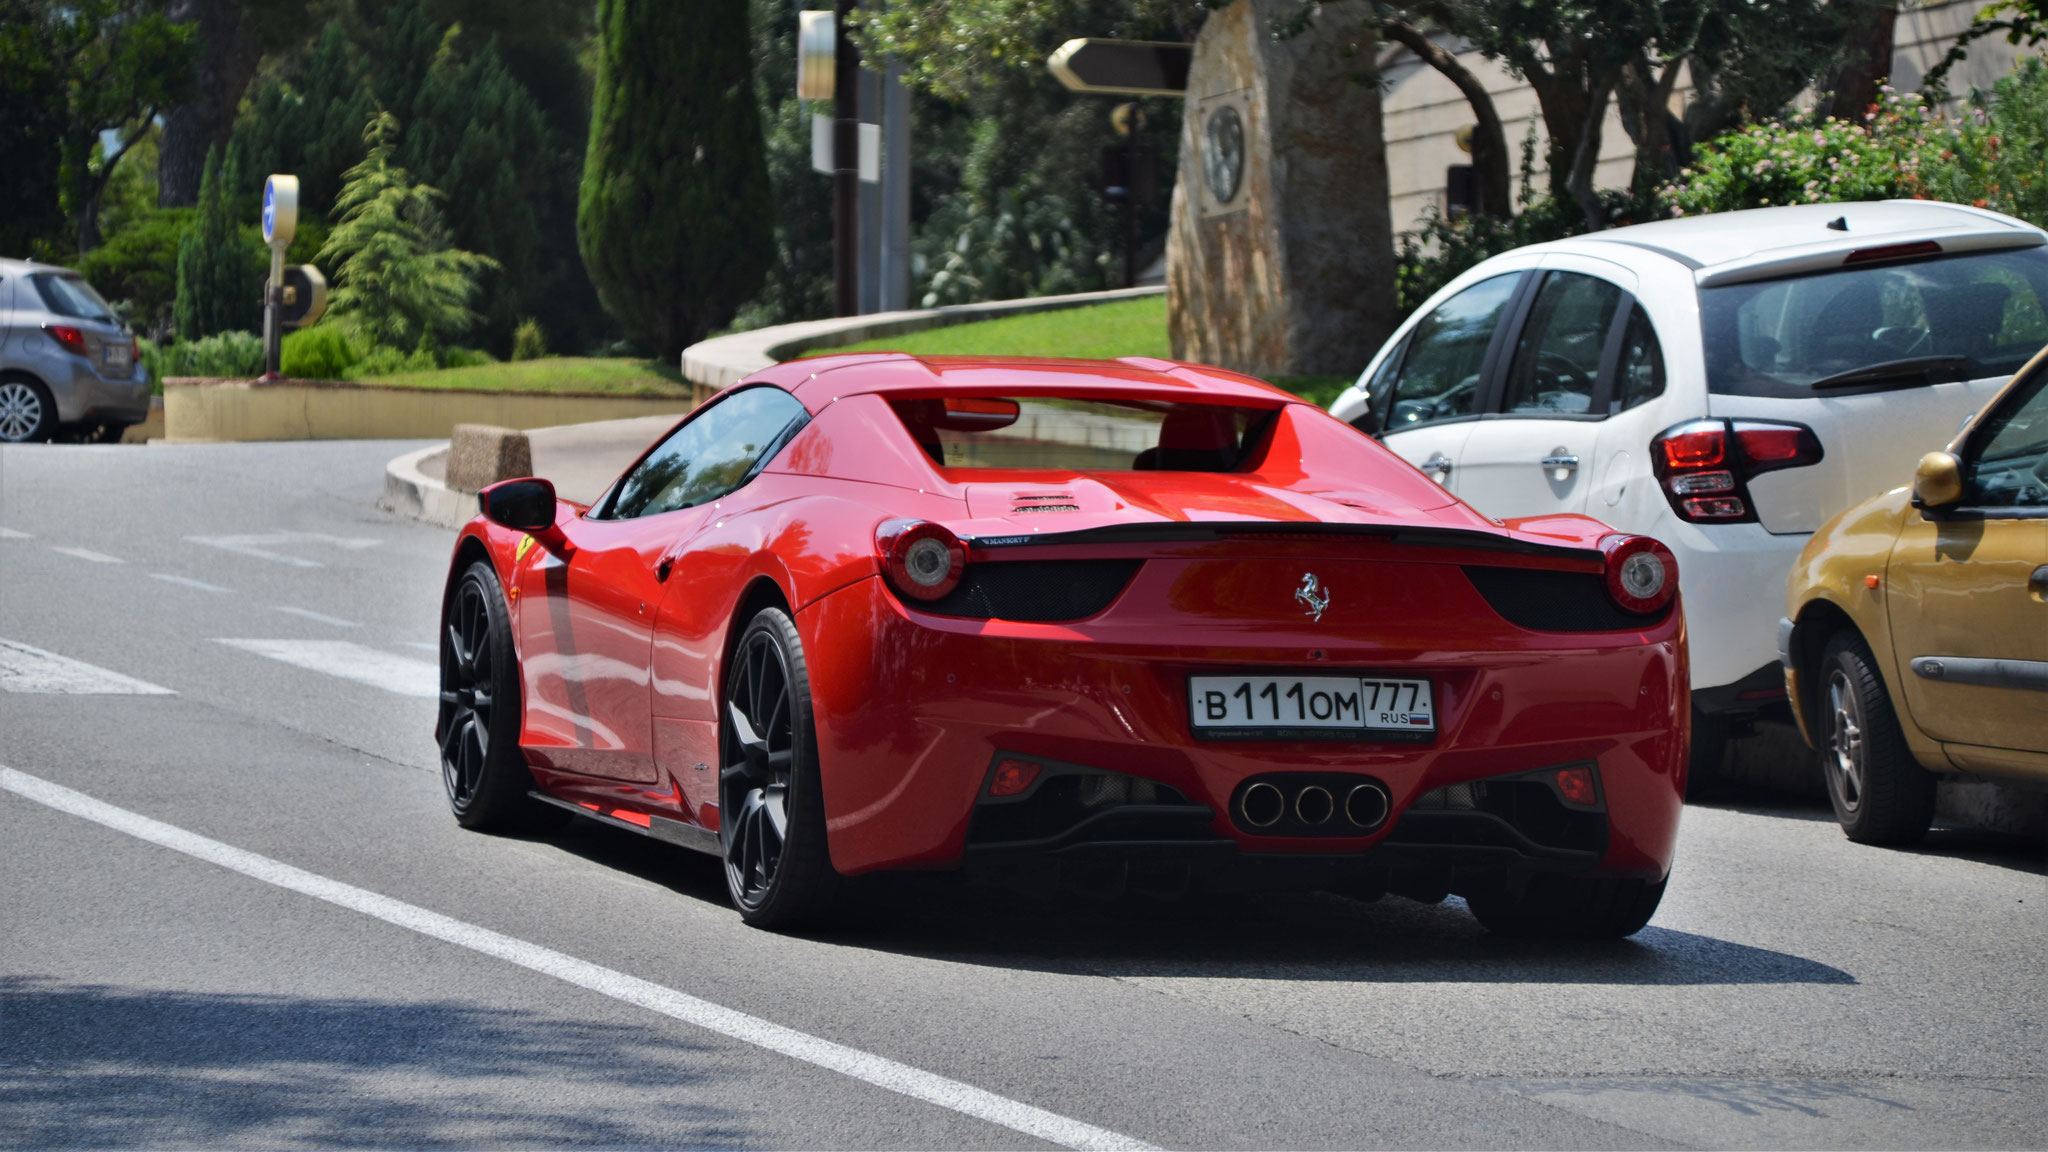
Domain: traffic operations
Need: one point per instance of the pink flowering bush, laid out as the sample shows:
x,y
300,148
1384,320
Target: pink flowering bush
x,y
1993,153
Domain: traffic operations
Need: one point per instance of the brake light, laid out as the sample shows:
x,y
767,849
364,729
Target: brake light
x,y
1893,252
1705,465
1642,574
72,340
920,559
1013,777
1576,785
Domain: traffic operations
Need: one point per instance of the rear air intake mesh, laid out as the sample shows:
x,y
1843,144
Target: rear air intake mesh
x,y
1035,590
1549,601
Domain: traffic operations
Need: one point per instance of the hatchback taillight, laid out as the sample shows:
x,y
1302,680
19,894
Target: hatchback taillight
x,y
1704,466
920,559
71,339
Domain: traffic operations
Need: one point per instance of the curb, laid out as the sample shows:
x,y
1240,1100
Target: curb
x,y
413,494
723,361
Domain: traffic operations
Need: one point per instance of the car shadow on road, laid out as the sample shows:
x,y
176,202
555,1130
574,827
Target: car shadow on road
x,y
101,1065
1269,936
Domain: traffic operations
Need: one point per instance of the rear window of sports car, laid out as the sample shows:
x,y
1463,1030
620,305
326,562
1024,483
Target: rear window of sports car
x,y
1083,435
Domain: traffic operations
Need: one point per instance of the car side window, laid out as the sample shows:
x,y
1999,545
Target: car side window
x,y
1639,370
1440,375
2007,464
716,452
1556,367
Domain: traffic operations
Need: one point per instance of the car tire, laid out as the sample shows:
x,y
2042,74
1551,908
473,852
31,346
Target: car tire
x,y
482,769
1552,907
778,867
1880,793
27,411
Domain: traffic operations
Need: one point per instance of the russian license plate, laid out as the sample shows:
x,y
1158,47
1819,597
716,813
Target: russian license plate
x,y
1310,707
116,356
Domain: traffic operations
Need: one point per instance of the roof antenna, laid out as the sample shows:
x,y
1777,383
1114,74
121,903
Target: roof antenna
x,y
1839,224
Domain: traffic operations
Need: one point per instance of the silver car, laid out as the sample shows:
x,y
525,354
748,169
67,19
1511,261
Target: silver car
x,y
65,361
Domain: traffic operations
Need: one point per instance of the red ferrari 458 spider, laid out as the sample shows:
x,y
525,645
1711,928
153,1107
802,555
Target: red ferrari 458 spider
x,y
1109,625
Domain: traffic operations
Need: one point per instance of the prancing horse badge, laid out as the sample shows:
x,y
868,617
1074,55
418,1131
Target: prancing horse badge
x,y
1312,594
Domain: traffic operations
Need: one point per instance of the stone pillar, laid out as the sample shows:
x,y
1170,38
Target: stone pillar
x,y
1280,260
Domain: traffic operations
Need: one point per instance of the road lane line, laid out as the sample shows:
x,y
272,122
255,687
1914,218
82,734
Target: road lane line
x,y
350,661
879,1071
316,617
11,534
186,582
260,545
32,671
422,645
88,554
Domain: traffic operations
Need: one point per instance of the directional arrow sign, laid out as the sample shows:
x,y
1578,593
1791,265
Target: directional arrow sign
x,y
1130,67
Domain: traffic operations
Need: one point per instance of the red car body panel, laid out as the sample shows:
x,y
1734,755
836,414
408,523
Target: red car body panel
x,y
622,669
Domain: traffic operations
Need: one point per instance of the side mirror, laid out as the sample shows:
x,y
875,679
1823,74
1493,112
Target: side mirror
x,y
527,505
1371,421
1937,482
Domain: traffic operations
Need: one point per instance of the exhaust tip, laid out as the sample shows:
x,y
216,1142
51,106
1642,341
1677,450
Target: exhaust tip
x,y
1314,805
1367,806
1262,805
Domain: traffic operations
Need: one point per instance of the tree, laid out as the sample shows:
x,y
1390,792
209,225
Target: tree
x,y
220,277
31,131
100,66
232,38
396,275
675,221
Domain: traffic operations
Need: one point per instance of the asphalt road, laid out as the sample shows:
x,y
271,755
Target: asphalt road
x,y
234,911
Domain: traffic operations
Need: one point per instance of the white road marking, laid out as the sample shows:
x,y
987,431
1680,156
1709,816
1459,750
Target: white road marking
x,y
879,1071
422,645
88,554
261,545
11,534
186,582
351,661
316,617
32,671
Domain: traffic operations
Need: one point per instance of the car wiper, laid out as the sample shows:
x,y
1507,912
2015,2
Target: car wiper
x,y
1927,366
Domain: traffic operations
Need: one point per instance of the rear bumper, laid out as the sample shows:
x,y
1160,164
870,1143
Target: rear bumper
x,y
1733,577
83,394
913,711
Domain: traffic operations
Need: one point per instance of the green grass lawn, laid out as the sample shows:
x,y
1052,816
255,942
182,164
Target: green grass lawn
x,y
1099,331
558,375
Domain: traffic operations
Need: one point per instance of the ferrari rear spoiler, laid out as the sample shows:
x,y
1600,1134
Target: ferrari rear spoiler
x,y
1214,530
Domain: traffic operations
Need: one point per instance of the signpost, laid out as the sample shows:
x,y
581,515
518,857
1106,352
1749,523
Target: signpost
x,y
1123,67
280,224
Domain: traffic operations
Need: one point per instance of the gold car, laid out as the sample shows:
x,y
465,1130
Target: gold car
x,y
1916,639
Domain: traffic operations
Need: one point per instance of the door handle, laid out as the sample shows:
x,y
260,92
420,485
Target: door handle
x,y
1439,464
1567,463
661,570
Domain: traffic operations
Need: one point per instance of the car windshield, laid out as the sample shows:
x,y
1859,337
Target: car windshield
x,y
71,296
1083,435
1954,318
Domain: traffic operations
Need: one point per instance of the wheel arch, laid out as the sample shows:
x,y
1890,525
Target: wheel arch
x,y
761,592
1817,623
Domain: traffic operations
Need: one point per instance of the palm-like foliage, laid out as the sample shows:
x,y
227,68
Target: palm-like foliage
x,y
396,274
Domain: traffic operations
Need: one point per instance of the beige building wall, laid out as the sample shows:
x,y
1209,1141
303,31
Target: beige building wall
x,y
1424,111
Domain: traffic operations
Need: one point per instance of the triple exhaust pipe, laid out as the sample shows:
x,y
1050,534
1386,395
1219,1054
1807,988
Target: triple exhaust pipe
x,y
1265,804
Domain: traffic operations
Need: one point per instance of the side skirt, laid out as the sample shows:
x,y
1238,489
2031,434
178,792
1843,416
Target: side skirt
x,y
659,827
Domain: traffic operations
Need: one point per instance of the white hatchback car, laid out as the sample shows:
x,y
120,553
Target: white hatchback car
x,y
1723,383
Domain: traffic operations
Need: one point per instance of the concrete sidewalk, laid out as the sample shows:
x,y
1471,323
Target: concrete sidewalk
x,y
579,459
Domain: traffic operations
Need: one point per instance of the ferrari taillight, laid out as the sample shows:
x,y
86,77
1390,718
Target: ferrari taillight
x,y
920,559
1705,465
1642,574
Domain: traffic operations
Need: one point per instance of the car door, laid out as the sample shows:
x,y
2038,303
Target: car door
x,y
1433,395
1532,451
587,627
1965,590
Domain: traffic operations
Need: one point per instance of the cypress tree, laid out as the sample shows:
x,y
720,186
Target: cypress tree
x,y
220,283
675,219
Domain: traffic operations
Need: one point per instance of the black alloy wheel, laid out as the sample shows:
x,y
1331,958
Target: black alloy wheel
x,y
771,816
482,769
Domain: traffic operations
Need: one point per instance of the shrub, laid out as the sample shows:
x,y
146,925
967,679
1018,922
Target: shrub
x,y
388,361
322,352
225,354
529,340
1993,154
220,277
136,268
